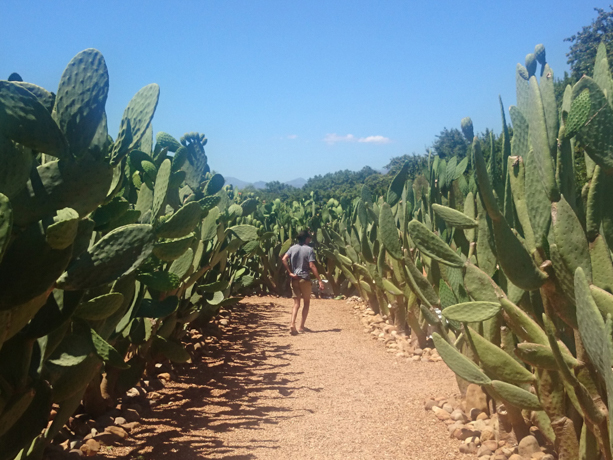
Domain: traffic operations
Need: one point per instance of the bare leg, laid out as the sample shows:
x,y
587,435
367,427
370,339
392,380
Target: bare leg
x,y
295,314
305,313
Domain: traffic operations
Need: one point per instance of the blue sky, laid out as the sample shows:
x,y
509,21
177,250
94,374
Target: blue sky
x,y
287,89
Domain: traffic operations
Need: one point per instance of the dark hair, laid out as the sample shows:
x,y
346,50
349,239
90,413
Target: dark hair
x,y
302,236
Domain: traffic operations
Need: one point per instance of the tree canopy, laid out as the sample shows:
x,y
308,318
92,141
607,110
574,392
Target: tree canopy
x,y
584,44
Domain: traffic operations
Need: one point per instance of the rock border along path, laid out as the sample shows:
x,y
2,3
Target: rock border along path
x,y
333,393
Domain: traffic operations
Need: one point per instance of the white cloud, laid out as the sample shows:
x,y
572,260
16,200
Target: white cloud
x,y
375,140
334,138
292,136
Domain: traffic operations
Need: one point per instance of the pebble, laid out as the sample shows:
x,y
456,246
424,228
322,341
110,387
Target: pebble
x,y
224,322
120,421
90,447
448,407
117,431
164,376
528,446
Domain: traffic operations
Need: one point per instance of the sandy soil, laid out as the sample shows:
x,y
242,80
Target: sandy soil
x,y
333,393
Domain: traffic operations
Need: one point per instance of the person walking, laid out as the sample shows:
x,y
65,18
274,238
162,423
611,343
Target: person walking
x,y
302,259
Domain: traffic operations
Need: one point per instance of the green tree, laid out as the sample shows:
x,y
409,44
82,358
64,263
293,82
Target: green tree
x,y
450,143
584,44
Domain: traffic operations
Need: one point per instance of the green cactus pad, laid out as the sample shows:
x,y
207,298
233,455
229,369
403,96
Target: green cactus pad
x,y
159,281
100,307
591,325
516,396
117,254
165,140
420,285
171,350
136,120
62,232
30,267
249,206
522,325
388,232
160,188
597,134
214,185
497,361
515,260
471,312
106,352
542,357
459,363
6,223
394,191
182,266
467,128
15,167
531,64
453,217
245,232
390,287
158,309
57,184
432,245
81,98
170,250
550,106
602,265
570,238
23,119
539,53
182,222
209,225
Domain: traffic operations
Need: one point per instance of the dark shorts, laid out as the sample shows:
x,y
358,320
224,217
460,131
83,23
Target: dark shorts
x,y
301,288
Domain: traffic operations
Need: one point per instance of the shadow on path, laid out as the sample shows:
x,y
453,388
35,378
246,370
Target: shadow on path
x,y
240,386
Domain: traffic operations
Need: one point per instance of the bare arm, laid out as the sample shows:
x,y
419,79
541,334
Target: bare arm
x,y
284,260
314,270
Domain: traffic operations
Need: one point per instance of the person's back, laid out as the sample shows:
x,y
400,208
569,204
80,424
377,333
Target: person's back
x,y
300,256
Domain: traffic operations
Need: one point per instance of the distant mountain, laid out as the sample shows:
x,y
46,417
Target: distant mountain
x,y
298,183
240,184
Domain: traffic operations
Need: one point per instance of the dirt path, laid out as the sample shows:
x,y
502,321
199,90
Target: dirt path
x,y
333,393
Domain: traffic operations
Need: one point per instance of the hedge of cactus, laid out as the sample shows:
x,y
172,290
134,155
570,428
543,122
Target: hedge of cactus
x,y
109,248
501,259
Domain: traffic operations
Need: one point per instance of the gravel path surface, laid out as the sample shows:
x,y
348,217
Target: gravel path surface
x,y
333,393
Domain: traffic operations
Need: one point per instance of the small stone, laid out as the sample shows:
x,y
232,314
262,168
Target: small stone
x,y
459,416
508,451
130,426
548,457
120,421
90,447
133,393
448,407
164,376
466,433
440,413
468,448
528,446
538,456
430,403
476,398
415,358
490,444
488,435
105,439
418,351
117,431
474,413
224,322
484,451
154,395
76,443
516,457
482,416
401,354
